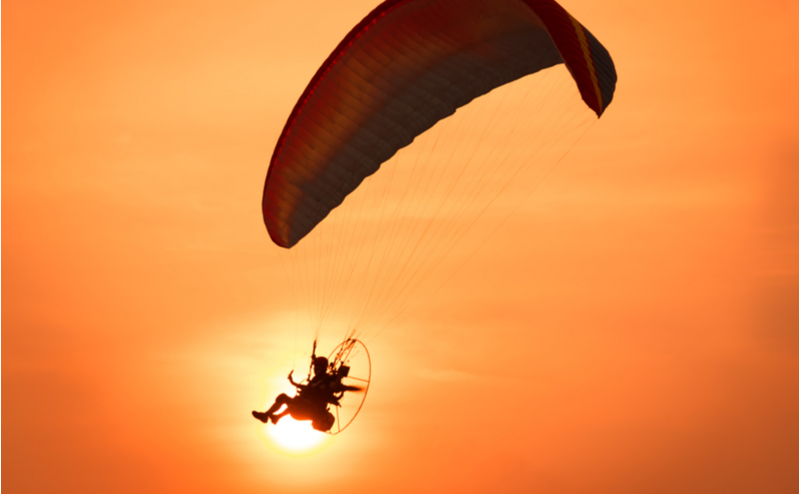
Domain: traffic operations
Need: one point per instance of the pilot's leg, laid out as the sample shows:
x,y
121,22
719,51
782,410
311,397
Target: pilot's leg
x,y
280,401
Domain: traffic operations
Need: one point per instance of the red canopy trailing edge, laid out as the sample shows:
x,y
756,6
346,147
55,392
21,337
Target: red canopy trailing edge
x,y
407,65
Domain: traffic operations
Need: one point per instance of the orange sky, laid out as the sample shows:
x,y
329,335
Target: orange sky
x,y
633,326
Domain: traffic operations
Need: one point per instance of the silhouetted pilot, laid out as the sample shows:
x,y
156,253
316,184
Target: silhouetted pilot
x,y
311,401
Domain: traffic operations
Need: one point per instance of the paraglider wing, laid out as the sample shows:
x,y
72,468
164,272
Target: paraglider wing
x,y
407,65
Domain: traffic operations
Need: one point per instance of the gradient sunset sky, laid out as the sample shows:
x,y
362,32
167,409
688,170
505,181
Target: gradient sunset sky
x,y
631,327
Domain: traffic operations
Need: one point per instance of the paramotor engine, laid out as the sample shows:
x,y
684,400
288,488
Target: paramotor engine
x,y
351,363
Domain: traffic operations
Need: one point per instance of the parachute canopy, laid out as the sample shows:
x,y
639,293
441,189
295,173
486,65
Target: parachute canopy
x,y
406,66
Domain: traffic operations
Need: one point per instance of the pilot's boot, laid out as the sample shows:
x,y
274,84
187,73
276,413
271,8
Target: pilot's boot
x,y
262,416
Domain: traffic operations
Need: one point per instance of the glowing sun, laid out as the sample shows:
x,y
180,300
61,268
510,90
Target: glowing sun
x,y
295,436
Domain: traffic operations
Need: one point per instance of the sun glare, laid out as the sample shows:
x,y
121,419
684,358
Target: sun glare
x,y
297,437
